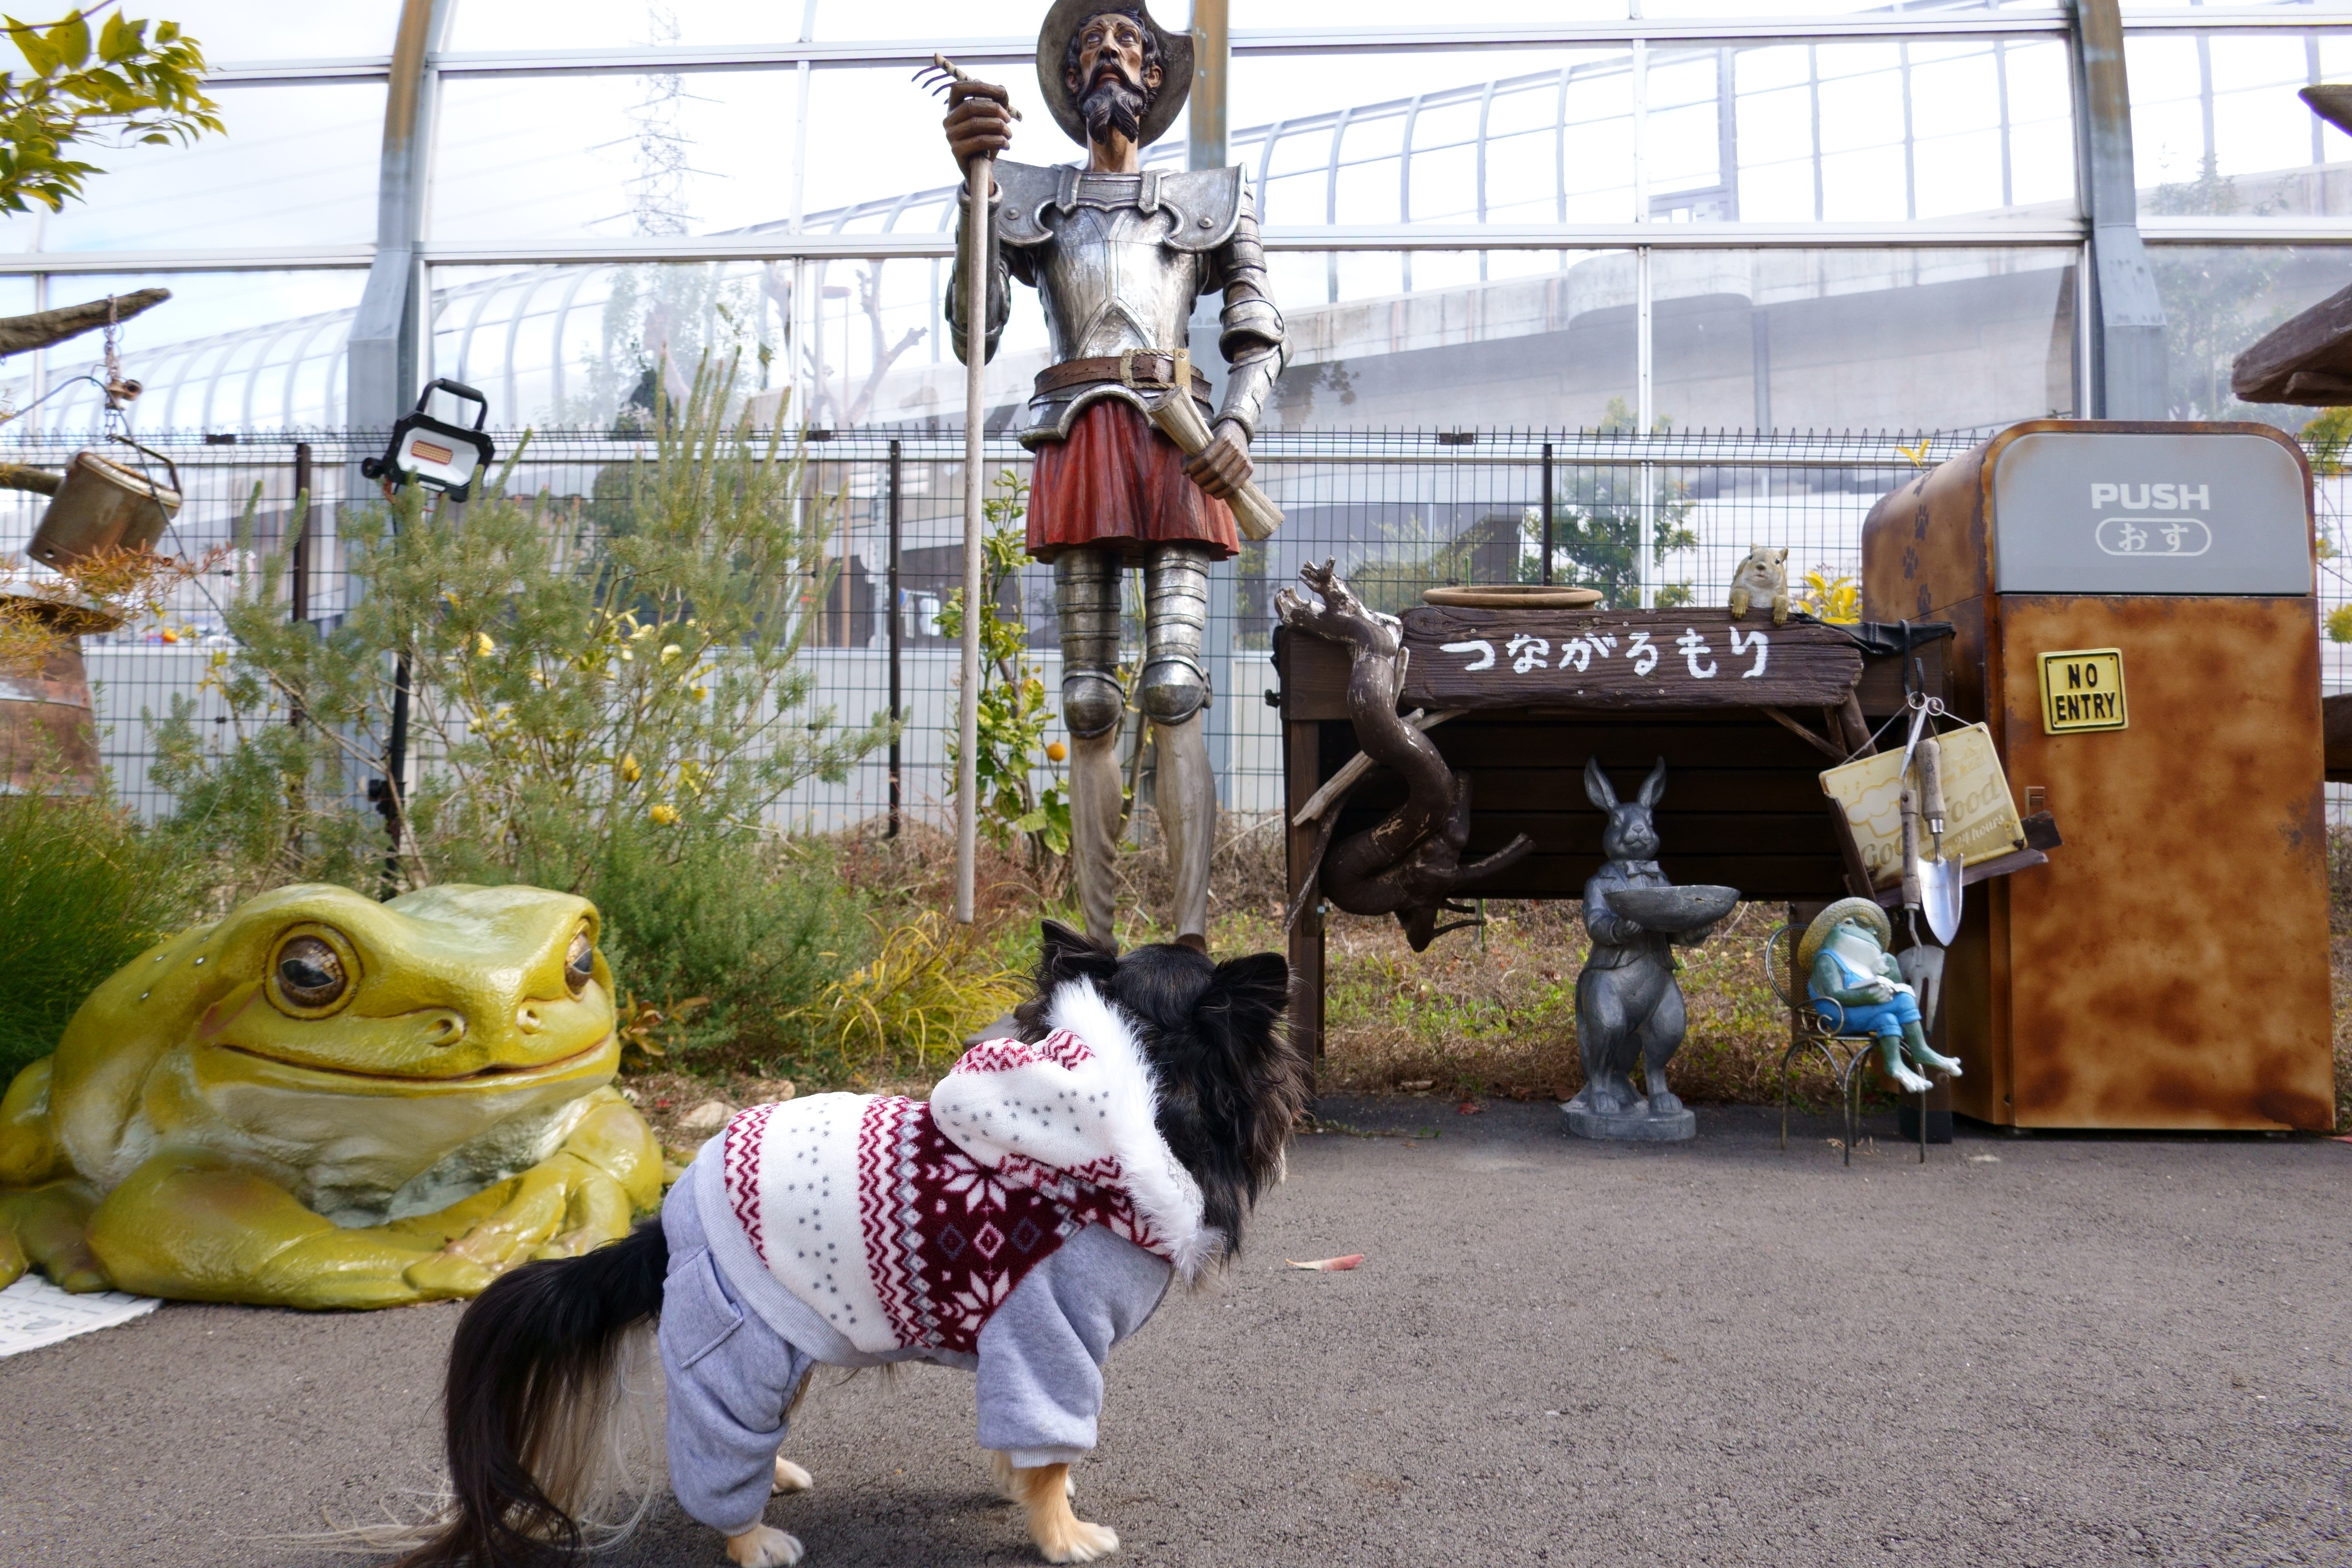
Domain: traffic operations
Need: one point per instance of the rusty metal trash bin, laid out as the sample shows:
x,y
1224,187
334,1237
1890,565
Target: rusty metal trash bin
x,y
102,505
2136,622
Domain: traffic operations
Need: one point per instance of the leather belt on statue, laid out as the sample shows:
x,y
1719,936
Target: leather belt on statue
x,y
1141,370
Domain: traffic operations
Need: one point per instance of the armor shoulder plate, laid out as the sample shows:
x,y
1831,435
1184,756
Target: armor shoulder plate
x,y
1027,191
1208,204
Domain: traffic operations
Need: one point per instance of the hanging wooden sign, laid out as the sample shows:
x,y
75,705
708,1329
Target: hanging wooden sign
x,y
1679,658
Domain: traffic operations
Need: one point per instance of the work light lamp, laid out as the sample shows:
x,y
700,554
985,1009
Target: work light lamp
x,y
432,452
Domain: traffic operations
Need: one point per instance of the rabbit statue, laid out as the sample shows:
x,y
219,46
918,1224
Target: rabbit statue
x,y
1629,1007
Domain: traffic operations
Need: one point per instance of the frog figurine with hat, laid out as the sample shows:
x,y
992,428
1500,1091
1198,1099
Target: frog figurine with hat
x,y
1857,988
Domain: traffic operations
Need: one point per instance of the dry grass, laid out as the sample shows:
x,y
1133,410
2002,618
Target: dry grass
x,y
1498,1018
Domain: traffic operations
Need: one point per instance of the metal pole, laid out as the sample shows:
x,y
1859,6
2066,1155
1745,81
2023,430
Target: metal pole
x,y
395,775
301,566
2129,374
1546,515
975,367
897,715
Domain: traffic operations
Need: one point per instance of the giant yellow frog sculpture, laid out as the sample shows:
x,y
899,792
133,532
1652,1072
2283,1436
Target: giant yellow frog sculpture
x,y
325,1101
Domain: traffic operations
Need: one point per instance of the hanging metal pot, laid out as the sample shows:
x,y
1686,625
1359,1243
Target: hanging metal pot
x,y
102,505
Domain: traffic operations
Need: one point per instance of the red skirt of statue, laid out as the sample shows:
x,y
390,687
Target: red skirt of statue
x,y
1119,484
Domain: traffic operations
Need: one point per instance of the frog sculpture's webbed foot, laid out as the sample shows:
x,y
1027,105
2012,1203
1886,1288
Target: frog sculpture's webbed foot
x,y
196,1228
1890,1057
48,1227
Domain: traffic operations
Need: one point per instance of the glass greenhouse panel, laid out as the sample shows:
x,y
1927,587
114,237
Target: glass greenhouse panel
x,y
606,157
586,347
1686,10
1483,136
1384,340
1899,129
899,146
229,351
2217,130
297,165
2218,301
511,26
235,32
1862,340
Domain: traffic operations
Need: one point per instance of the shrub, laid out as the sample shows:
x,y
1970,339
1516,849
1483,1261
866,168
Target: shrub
x,y
82,893
609,707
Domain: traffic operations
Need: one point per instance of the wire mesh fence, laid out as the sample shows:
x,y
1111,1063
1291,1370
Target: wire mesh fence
x,y
1662,520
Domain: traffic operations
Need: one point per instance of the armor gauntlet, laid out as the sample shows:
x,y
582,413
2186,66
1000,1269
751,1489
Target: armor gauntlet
x,y
1000,293
1250,333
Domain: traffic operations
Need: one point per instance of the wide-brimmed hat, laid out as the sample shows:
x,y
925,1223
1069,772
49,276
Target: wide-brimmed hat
x,y
1865,911
1054,43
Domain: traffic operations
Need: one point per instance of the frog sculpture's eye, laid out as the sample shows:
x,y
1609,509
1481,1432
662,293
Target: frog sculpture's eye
x,y
309,975
579,964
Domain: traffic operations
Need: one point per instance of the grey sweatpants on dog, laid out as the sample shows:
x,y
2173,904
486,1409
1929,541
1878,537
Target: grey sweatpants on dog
x,y
735,1345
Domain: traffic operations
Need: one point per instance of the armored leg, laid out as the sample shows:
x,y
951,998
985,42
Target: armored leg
x,y
1085,597
1173,690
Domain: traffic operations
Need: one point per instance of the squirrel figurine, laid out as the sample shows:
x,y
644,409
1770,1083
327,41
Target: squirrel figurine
x,y
1761,579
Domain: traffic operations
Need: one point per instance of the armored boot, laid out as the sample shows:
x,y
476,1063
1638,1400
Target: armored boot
x,y
1086,598
1173,691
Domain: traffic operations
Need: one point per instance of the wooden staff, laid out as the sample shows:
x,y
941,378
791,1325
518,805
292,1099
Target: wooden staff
x,y
977,181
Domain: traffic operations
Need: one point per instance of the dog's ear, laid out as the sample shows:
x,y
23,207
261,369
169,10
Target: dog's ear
x,y
1064,955
1247,997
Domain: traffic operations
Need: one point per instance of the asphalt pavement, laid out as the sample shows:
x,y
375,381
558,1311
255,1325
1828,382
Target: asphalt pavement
x,y
2049,1350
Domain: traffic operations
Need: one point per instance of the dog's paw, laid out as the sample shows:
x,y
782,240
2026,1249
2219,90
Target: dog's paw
x,y
763,1547
1078,1542
790,1477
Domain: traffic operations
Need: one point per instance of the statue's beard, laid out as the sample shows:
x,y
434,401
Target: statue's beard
x,y
1114,106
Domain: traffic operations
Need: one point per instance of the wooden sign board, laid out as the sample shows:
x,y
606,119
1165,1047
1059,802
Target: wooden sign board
x,y
2082,689
1980,823
1666,659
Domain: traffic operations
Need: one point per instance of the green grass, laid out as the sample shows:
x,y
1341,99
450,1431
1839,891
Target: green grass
x,y
82,892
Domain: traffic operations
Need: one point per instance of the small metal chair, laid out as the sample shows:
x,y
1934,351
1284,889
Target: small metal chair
x,y
1808,1029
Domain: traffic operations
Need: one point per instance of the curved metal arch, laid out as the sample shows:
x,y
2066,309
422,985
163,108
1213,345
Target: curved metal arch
x,y
302,357
490,289
514,332
555,344
253,377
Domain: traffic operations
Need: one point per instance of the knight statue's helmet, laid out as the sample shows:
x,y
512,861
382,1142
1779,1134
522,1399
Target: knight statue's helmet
x,y
1054,44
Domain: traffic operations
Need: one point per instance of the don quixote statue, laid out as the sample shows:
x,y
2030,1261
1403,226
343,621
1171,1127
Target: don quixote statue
x,y
1117,256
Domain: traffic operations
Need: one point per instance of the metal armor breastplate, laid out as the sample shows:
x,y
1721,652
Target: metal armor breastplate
x,y
1109,280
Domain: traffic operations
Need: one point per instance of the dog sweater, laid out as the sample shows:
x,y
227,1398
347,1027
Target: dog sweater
x,y
904,1225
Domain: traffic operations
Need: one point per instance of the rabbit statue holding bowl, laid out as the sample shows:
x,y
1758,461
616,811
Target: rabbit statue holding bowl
x,y
1628,1008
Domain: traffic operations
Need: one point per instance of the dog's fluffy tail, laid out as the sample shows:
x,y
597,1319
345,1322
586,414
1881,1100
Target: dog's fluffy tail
x,y
534,1385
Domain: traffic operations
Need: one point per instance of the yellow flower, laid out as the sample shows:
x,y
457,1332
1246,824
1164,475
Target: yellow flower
x,y
670,651
630,772
663,815
483,645
220,659
700,693
1056,752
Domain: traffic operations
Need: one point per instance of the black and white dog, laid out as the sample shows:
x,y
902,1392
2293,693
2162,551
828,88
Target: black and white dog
x,y
1028,1215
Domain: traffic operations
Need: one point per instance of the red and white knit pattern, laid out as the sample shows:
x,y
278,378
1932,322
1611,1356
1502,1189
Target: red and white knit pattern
x,y
907,1223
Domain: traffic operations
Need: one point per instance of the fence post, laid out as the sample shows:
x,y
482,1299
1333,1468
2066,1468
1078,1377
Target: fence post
x,y
898,716
1546,515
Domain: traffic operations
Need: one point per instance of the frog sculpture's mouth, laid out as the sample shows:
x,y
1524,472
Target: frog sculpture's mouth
x,y
494,1073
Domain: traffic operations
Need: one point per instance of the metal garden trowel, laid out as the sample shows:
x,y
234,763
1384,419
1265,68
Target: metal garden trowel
x,y
1930,883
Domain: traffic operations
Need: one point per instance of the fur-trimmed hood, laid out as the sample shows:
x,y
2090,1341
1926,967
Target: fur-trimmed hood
x,y
1083,1100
